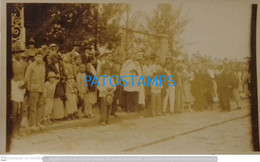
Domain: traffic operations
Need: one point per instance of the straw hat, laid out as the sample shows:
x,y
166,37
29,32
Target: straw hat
x,y
54,45
109,99
17,49
52,75
76,43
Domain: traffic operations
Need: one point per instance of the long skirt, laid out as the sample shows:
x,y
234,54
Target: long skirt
x,y
169,99
179,102
92,97
71,104
141,95
58,109
131,99
188,97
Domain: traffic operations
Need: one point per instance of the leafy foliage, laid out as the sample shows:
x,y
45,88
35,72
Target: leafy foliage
x,y
92,24
166,20
99,24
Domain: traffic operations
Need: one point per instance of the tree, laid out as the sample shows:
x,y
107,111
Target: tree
x,y
166,20
92,24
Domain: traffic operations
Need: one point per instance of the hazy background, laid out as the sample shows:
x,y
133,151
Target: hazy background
x,y
216,28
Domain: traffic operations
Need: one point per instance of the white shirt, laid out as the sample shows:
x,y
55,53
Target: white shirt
x,y
147,70
127,69
17,94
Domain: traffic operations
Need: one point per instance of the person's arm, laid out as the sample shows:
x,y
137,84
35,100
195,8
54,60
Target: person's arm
x,y
27,77
113,82
78,83
101,88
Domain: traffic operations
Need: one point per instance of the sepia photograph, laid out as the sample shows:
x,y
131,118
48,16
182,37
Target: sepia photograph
x,y
129,77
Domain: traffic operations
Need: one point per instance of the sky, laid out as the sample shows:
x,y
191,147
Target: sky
x,y
216,28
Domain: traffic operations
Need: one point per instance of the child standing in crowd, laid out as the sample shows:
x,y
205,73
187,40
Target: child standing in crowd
x,y
156,104
106,94
49,91
17,98
109,62
92,90
35,81
71,94
82,89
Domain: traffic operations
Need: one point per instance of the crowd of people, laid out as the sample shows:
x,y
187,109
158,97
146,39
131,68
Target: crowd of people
x,y
49,86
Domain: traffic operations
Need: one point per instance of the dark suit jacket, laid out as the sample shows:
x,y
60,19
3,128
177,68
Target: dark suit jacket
x,y
84,58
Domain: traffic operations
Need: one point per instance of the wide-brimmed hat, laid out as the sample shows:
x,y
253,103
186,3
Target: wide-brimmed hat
x,y
87,47
51,75
76,43
44,46
109,99
54,45
38,52
17,49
